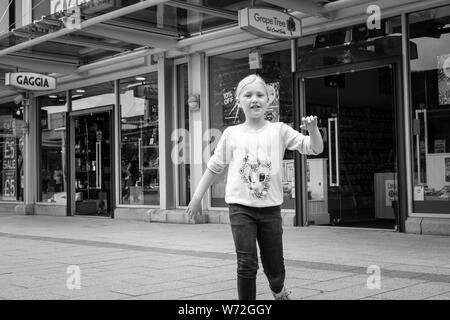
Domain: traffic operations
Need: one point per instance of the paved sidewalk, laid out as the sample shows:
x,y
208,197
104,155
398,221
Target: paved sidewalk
x,y
121,259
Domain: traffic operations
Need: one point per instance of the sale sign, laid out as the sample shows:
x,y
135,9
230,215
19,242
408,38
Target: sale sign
x,y
9,168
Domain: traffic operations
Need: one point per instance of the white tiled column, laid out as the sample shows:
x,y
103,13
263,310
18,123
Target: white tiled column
x,y
197,120
27,14
165,110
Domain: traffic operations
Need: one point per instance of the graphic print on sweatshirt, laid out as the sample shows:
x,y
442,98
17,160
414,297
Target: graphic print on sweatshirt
x,y
256,174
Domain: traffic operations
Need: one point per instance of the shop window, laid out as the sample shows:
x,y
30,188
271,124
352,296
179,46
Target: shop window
x,y
430,93
139,145
11,151
225,73
52,146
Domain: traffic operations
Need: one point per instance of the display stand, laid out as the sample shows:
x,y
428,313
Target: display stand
x,y
385,193
317,183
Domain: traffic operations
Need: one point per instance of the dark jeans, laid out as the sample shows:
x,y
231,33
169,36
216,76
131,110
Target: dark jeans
x,y
249,225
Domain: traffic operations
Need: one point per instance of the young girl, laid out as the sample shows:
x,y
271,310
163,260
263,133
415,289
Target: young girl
x,y
254,151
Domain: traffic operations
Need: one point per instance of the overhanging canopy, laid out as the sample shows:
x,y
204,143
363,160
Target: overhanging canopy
x,y
63,42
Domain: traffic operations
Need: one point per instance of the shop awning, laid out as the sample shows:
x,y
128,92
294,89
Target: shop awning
x,y
65,40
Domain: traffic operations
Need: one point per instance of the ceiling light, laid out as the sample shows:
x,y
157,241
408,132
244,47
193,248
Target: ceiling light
x,y
81,90
53,96
140,78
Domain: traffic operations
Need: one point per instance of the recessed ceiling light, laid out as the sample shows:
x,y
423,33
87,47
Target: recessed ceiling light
x,y
81,90
140,78
53,96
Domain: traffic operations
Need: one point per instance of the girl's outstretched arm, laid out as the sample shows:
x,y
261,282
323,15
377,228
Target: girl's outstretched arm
x,y
195,207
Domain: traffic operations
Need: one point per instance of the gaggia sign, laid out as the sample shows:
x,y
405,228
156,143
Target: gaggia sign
x,y
30,81
269,23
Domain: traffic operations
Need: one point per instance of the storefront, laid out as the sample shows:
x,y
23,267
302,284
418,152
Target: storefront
x,y
128,136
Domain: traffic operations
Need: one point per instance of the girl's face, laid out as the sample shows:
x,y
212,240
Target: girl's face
x,y
253,100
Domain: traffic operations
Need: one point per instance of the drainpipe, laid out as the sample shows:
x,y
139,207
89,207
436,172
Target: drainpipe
x,y
85,24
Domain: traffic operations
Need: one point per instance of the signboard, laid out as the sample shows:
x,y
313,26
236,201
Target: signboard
x,y
89,6
269,23
30,81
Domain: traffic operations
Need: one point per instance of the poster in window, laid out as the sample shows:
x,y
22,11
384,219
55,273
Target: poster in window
x,y
9,169
288,178
447,169
230,108
444,79
439,146
273,110
390,192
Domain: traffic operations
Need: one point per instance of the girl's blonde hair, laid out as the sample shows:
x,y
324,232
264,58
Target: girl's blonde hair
x,y
253,78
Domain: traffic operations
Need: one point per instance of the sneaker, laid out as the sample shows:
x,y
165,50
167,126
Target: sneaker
x,y
282,295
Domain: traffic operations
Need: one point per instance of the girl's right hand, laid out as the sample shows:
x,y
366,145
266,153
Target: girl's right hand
x,y
194,208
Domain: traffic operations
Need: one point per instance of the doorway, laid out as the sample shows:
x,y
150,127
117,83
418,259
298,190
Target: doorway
x,y
91,165
354,181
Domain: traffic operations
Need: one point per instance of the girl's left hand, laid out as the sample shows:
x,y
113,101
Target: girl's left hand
x,y
309,123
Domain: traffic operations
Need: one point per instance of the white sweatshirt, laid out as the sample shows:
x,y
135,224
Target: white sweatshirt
x,y
255,160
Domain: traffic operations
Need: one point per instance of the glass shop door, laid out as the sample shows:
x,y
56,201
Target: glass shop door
x,y
92,154
353,182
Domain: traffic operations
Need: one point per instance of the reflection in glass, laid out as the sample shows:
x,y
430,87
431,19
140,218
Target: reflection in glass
x,y
139,140
53,169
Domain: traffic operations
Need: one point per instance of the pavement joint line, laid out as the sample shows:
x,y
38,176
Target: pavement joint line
x,y
392,290
439,294
390,273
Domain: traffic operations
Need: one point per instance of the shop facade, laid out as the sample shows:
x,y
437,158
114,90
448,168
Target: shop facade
x,y
129,136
